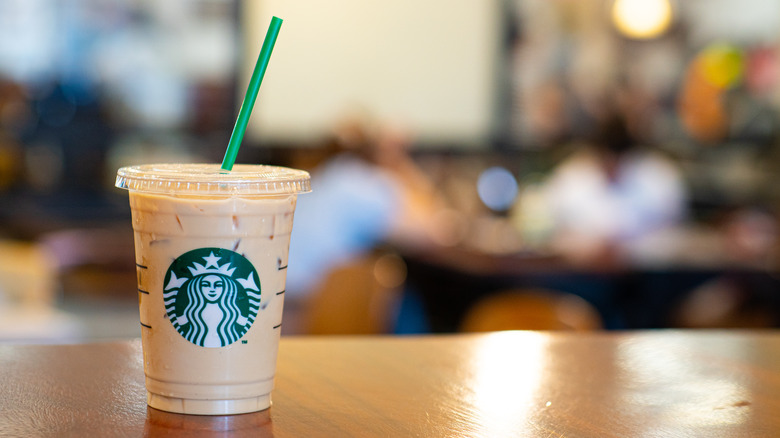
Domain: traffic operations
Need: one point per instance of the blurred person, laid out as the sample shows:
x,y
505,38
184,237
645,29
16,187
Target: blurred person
x,y
367,193
610,194
417,222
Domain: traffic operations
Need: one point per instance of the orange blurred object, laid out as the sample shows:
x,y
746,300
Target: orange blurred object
x,y
700,106
531,310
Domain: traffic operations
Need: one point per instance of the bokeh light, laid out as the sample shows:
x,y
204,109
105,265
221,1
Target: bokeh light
x,y
497,188
642,19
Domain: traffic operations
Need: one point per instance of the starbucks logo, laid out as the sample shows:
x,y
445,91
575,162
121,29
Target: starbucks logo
x,y
212,296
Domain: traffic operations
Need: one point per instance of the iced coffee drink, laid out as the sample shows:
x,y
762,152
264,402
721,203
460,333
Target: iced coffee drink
x,y
211,256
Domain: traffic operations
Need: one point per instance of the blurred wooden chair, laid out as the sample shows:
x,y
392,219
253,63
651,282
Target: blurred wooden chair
x,y
534,309
28,297
359,297
27,275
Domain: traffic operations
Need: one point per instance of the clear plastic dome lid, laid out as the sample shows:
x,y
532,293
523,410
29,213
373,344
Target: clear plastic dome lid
x,y
211,179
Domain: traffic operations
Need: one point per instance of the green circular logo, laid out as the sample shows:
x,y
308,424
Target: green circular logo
x,y
212,296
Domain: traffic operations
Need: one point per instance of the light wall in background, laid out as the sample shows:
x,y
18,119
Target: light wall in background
x,y
430,65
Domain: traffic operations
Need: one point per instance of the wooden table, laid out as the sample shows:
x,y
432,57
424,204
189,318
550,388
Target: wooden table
x,y
633,384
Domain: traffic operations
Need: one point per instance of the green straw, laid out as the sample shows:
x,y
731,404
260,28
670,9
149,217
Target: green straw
x,y
251,94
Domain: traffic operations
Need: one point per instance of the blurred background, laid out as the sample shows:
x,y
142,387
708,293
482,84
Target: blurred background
x,y
565,164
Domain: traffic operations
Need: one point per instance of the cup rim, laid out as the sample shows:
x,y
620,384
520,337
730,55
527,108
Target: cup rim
x,y
211,179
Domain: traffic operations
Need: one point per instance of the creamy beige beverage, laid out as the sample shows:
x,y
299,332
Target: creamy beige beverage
x,y
211,255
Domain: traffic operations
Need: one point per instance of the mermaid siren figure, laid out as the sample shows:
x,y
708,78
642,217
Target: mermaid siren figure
x,y
212,308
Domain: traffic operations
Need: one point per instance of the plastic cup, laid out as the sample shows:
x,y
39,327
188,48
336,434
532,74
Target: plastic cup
x,y
211,255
